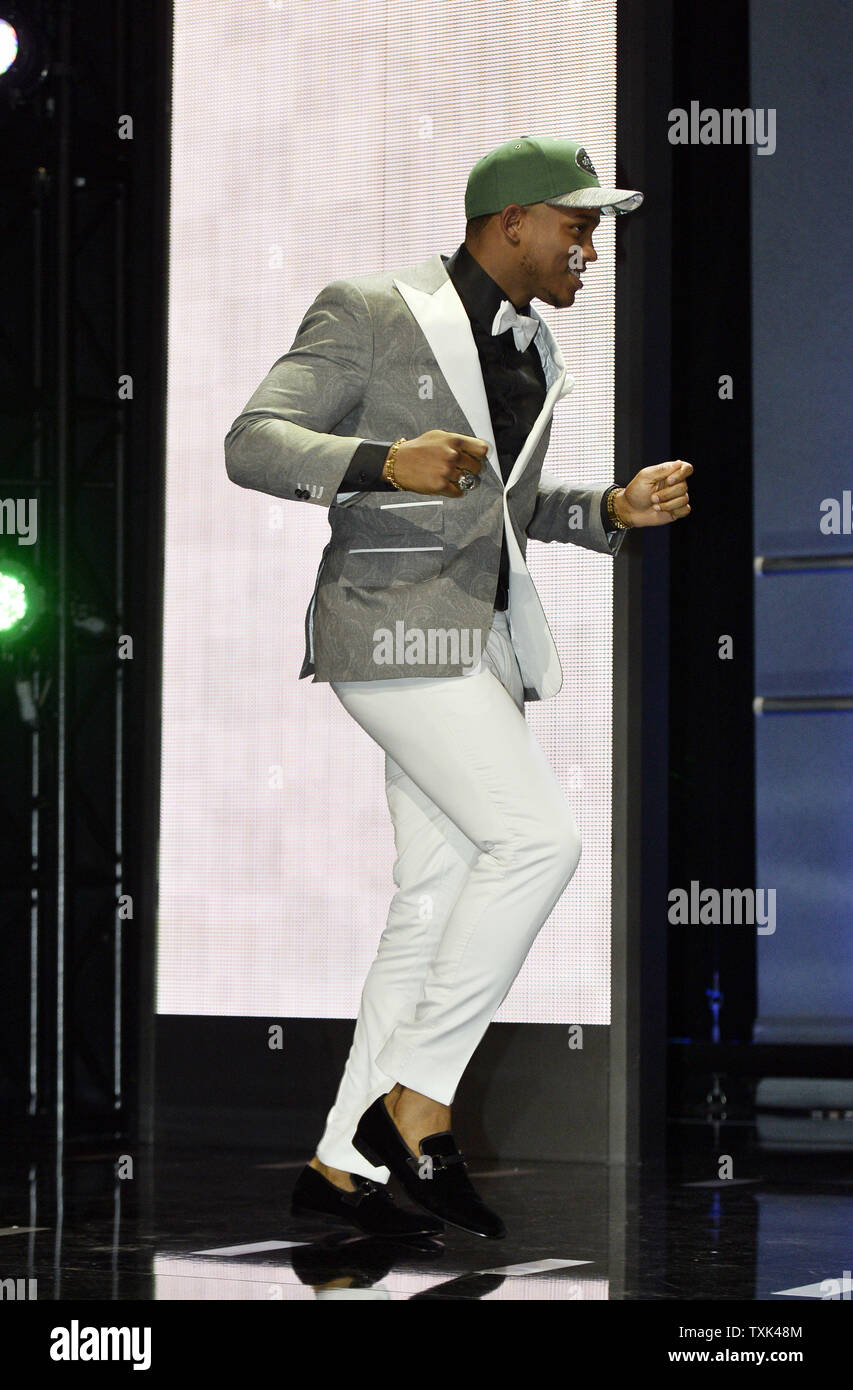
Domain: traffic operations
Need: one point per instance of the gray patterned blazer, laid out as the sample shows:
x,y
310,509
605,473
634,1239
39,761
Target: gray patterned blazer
x,y
406,583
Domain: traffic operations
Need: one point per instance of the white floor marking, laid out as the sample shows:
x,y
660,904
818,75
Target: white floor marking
x,y
831,1289
533,1267
254,1249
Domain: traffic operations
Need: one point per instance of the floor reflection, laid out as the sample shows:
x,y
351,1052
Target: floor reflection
x,y
216,1226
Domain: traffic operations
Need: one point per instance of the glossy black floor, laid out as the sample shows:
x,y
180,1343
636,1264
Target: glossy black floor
x,y
208,1225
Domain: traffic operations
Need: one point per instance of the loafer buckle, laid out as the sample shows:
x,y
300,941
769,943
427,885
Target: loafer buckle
x,y
439,1162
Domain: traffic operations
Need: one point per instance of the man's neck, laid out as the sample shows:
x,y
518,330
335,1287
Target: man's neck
x,y
503,275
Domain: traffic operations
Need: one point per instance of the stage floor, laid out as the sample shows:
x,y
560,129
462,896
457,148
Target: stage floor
x,y
213,1225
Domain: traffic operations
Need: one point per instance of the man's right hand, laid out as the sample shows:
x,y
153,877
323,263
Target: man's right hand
x,y
432,463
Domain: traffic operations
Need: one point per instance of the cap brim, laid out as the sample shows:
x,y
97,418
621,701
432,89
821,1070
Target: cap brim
x,y
609,200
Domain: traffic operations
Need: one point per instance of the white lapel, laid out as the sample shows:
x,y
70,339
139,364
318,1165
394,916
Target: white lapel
x,y
444,323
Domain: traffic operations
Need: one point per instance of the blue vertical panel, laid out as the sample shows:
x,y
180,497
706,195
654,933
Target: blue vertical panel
x,y
802,314
804,813
804,641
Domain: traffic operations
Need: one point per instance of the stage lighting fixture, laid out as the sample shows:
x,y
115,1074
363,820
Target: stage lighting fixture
x,y
23,56
21,601
8,45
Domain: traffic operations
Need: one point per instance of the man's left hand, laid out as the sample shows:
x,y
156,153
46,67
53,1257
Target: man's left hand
x,y
656,495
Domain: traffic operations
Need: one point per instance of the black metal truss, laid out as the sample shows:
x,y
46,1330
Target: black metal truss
x,y
73,194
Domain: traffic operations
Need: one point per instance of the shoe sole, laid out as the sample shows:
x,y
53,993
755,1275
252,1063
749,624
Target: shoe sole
x,y
309,1215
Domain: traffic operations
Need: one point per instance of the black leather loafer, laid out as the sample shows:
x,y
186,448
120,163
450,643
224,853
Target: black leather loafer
x,y
371,1208
440,1186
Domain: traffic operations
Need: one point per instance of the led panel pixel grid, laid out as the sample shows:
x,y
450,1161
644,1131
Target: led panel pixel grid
x,y
308,145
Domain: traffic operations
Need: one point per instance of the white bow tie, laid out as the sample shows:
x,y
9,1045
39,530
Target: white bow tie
x,y
524,329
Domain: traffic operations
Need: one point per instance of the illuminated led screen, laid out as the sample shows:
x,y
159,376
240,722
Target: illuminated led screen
x,y
309,144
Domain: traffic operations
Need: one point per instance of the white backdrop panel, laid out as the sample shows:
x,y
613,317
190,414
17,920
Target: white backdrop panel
x,y
308,144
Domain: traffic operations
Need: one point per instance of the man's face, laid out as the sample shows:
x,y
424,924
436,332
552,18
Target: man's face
x,y
554,248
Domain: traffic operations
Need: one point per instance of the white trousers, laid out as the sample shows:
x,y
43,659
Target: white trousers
x,y
486,843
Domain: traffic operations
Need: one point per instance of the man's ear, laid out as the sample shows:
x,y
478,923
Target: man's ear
x,y
511,219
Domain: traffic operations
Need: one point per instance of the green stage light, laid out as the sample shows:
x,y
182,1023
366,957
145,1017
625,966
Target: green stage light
x,y
21,601
13,602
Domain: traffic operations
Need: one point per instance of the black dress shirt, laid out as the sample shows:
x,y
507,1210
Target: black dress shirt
x,y
515,390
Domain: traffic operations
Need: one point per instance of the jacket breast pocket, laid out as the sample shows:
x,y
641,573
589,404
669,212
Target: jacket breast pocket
x,y
423,514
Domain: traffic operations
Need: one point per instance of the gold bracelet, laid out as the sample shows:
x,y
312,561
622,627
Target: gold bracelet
x,y
610,508
389,464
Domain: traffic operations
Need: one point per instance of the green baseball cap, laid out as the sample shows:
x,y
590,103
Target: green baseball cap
x,y
542,169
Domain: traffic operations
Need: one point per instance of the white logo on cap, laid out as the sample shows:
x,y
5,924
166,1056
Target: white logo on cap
x,y
584,162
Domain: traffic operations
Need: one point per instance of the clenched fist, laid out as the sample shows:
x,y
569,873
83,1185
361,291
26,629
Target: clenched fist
x,y
432,463
656,495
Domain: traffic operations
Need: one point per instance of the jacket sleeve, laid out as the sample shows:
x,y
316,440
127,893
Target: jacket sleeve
x,y
365,471
564,513
282,442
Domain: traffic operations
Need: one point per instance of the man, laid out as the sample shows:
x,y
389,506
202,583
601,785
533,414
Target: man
x,y
416,407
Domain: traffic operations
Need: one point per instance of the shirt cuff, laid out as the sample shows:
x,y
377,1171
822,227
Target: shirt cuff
x,y
365,470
